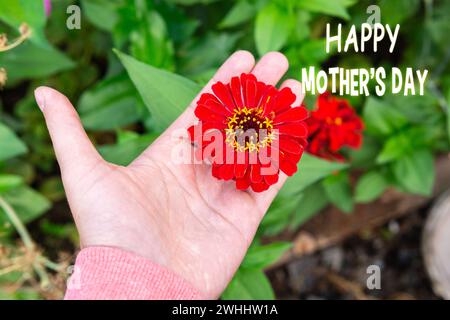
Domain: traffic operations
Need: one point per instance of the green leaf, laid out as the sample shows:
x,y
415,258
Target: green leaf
x,y
192,2
278,216
126,151
310,169
27,203
16,12
31,61
61,231
261,256
312,52
312,201
367,154
149,42
402,143
207,53
21,293
239,13
249,285
370,186
335,8
165,94
448,115
381,119
102,13
272,28
111,104
394,148
9,181
415,172
397,11
417,109
10,145
338,191
52,188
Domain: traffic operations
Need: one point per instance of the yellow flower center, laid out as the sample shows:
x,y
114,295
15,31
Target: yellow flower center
x,y
248,129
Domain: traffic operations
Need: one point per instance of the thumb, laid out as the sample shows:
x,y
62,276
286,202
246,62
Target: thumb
x,y
74,151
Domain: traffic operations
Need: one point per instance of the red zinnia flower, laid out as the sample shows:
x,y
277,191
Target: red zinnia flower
x,y
333,125
260,132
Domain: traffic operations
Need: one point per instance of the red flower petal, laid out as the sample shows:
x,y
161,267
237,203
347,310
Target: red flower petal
x,y
272,179
250,93
332,126
284,100
259,187
223,110
260,88
243,184
267,99
227,171
236,91
291,115
240,170
207,96
255,173
216,171
205,114
288,167
295,130
215,106
223,93
291,146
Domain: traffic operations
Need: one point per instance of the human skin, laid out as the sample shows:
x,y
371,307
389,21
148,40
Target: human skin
x,y
176,215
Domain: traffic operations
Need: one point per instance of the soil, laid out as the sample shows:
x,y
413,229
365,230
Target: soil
x,y
340,272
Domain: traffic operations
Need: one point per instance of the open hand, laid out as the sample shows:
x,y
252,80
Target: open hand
x,y
176,215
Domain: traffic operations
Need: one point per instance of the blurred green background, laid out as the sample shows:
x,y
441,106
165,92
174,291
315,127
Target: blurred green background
x,y
165,51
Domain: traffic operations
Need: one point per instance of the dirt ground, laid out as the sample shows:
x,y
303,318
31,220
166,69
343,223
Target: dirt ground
x,y
340,272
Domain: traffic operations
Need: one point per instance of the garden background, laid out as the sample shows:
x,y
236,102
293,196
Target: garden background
x,y
133,66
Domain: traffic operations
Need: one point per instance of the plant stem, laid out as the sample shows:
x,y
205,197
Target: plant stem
x,y
26,238
17,223
24,36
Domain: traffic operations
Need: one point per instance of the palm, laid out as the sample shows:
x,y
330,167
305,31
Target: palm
x,y
177,215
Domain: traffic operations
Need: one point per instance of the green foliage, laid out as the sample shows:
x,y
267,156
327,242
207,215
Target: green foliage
x,y
10,145
28,203
335,8
448,114
291,201
111,104
16,12
33,61
249,281
249,285
165,94
259,257
102,13
312,200
272,28
311,169
381,119
370,186
415,172
241,12
338,191
166,51
127,150
9,181
397,11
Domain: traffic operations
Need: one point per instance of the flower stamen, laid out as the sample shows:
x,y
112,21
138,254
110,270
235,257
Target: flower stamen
x,y
245,127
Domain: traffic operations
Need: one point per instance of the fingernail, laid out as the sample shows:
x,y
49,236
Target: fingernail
x,y
39,95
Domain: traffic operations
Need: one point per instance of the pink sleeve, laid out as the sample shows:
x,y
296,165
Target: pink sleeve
x,y
110,273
